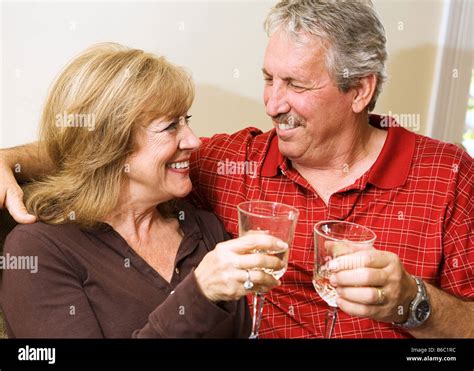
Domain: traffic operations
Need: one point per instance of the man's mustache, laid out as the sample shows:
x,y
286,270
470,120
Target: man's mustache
x,y
286,118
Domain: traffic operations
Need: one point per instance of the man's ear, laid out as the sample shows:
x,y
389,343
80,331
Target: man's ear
x,y
363,93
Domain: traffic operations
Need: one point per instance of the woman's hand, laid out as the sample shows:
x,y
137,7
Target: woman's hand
x,y
223,271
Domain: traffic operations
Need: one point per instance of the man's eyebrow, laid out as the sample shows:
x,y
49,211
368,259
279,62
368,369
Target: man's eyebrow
x,y
287,79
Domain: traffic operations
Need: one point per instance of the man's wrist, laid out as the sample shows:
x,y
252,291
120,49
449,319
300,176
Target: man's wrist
x,y
419,309
411,292
6,160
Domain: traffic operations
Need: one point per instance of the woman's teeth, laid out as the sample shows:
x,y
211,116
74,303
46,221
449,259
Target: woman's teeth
x,y
179,165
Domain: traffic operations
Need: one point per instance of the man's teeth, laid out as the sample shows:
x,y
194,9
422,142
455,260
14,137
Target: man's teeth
x,y
286,126
179,165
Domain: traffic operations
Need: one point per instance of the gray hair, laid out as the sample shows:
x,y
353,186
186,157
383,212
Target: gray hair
x,y
351,30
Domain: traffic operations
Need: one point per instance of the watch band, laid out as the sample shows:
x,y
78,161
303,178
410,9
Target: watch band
x,y
419,309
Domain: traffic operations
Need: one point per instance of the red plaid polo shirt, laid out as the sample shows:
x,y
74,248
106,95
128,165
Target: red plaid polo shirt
x,y
417,198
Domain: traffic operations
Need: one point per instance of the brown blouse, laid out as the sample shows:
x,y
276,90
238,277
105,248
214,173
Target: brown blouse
x,y
91,284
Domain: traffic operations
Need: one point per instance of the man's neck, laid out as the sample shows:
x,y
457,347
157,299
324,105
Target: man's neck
x,y
343,161
352,143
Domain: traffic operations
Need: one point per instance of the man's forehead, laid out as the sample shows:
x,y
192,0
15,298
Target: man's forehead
x,y
291,53
299,42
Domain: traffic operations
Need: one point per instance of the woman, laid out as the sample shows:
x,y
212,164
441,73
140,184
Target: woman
x,y
117,256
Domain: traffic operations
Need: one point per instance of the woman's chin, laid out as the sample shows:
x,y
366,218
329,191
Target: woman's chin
x,y
182,189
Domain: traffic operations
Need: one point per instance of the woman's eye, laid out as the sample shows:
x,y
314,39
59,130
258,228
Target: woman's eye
x,y
171,127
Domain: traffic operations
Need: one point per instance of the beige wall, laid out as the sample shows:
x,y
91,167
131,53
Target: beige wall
x,y
221,42
412,29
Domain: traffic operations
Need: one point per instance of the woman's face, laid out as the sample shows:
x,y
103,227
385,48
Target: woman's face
x,y
159,168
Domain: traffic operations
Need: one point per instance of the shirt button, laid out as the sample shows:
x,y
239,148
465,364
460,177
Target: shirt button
x,y
177,270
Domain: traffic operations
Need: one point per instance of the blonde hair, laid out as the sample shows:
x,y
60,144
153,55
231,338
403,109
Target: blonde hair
x,y
116,89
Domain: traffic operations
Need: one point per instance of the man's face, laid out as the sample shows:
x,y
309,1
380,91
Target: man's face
x,y
307,109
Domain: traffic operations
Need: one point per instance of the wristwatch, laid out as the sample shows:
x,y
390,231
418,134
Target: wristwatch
x,y
419,309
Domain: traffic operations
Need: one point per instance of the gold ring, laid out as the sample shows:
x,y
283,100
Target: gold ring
x,y
380,296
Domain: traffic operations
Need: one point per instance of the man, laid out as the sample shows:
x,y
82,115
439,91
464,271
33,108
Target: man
x,y
324,68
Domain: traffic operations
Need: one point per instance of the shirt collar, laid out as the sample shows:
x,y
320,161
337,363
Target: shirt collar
x,y
391,168
273,159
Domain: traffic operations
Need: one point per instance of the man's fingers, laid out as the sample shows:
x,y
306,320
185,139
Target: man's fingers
x,y
15,206
359,277
356,309
361,259
340,248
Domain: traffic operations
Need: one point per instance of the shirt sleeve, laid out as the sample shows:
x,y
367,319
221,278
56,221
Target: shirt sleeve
x,y
187,313
457,269
195,197
46,301
210,165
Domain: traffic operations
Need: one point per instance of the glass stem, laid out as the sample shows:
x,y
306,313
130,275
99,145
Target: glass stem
x,y
258,300
331,316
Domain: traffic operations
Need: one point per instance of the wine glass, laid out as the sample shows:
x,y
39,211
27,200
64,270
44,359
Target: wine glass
x,y
273,218
333,238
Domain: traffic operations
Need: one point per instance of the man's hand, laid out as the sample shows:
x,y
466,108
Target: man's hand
x,y
373,284
11,196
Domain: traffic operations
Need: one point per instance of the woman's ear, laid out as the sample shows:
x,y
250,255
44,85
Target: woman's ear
x,y
364,93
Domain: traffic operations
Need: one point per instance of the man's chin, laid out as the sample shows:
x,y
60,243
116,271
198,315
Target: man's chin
x,y
288,149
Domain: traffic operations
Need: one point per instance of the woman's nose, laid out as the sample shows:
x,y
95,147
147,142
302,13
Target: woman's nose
x,y
189,141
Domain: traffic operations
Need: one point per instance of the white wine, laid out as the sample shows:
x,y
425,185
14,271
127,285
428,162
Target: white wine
x,y
322,286
281,254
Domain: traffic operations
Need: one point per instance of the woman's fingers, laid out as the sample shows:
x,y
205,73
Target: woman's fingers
x,y
250,261
254,241
222,273
262,281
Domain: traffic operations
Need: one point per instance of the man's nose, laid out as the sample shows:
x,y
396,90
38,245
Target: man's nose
x,y
277,102
189,141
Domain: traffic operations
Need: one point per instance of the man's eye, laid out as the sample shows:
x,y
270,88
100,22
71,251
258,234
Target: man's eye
x,y
297,88
268,80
